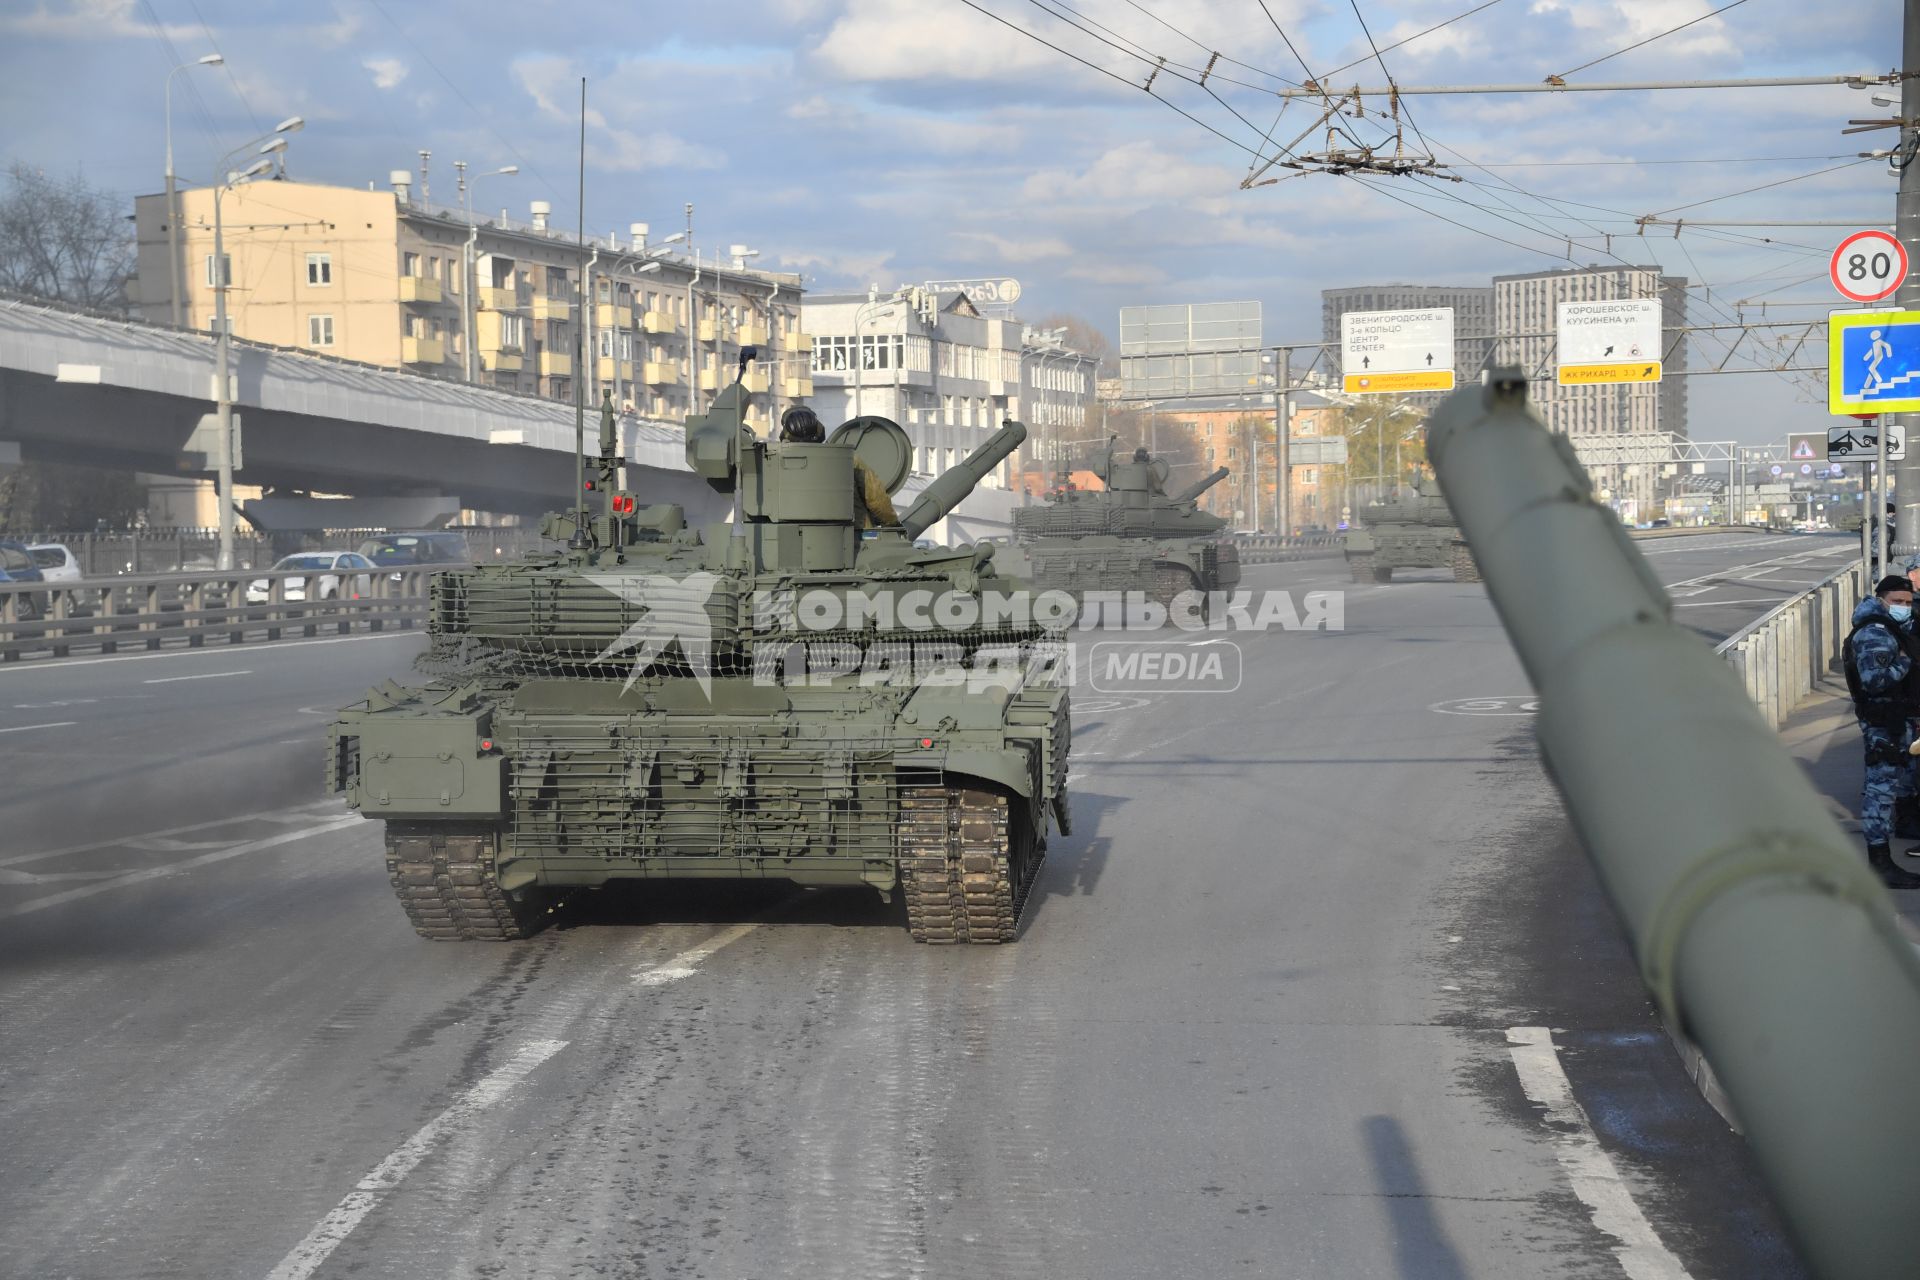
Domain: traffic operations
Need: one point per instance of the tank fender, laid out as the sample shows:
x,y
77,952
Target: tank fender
x,y
1359,541
1011,768
417,767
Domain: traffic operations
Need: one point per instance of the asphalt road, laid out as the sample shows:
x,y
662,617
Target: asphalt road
x,y
1296,999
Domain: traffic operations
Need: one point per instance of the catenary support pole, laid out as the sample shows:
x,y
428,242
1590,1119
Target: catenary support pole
x,y
1906,218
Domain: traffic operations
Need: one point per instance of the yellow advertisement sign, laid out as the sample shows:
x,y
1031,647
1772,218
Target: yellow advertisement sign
x,y
1378,383
1586,375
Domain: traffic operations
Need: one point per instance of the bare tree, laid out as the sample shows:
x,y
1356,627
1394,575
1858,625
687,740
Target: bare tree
x,y
1084,336
63,239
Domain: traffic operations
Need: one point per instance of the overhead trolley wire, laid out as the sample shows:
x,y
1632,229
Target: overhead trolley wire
x,y
1640,44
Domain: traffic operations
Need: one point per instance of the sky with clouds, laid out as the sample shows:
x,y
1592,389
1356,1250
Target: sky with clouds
x,y
890,141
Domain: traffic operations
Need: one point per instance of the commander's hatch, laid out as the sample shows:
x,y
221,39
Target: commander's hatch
x,y
881,444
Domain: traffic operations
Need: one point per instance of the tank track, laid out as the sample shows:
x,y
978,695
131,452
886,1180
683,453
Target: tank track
x,y
965,867
1365,570
444,878
1465,569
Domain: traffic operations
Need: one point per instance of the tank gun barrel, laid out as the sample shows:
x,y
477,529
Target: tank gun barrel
x,y
947,492
1200,486
1756,922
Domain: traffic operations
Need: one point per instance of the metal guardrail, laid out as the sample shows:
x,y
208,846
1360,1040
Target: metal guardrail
x,y
188,610
1780,656
1271,548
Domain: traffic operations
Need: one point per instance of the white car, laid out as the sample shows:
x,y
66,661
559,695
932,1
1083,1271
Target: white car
x,y
55,562
323,581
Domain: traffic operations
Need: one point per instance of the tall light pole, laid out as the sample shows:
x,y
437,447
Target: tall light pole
x,y
175,283
467,280
223,343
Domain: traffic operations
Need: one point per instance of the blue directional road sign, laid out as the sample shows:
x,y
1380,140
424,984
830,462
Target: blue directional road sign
x,y
1873,361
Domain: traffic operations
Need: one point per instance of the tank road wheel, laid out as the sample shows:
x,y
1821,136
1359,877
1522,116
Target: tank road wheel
x,y
1465,569
1169,580
1364,569
444,878
967,860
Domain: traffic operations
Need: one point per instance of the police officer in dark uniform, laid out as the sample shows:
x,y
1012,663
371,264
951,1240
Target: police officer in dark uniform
x,y
1882,660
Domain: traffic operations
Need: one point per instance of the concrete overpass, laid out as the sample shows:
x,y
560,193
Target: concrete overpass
x,y
92,390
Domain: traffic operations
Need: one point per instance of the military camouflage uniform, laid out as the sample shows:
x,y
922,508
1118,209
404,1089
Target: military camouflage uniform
x,y
1883,666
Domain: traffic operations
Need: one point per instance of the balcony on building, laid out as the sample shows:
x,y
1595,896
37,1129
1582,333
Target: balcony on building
x,y
709,330
752,334
613,315
801,342
501,361
709,379
756,381
556,364
422,350
545,308
502,299
419,289
659,322
611,370
659,373
799,388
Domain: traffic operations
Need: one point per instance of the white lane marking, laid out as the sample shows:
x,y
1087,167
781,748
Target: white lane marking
x,y
1595,1178
684,964
258,647
328,1234
56,724
208,675
173,868
288,817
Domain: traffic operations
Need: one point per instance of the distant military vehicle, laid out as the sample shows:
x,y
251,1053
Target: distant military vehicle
x,y
1130,536
622,709
1413,530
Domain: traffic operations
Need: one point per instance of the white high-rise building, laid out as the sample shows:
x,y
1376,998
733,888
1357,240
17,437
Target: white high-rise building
x,y
948,374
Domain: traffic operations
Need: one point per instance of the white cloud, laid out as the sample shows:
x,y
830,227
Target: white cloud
x,y
1133,175
1019,250
910,40
546,78
90,19
1133,274
387,72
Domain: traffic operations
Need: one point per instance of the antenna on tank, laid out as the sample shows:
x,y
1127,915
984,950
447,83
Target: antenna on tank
x,y
579,540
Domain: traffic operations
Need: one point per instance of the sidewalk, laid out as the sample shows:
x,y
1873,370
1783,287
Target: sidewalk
x,y
1824,737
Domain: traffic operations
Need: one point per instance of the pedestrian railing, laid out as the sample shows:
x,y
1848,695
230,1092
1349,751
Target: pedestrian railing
x,y
1780,656
1269,548
190,610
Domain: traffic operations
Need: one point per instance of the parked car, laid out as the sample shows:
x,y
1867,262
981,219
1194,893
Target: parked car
x,y
404,550
55,562
329,576
16,565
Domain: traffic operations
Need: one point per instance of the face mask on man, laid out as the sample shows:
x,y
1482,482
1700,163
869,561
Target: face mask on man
x,y
1900,612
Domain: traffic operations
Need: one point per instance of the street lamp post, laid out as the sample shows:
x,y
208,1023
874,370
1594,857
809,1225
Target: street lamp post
x,y
223,340
467,278
175,283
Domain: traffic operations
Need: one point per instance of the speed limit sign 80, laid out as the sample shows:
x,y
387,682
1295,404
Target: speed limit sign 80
x,y
1868,266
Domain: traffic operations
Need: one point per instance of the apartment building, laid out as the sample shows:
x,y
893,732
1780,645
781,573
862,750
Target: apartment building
x,y
948,374
373,276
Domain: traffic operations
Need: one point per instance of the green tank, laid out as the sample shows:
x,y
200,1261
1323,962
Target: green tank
x,y
629,708
1413,530
1131,536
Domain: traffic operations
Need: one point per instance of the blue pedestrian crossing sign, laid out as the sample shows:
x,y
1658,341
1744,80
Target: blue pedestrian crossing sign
x,y
1873,361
